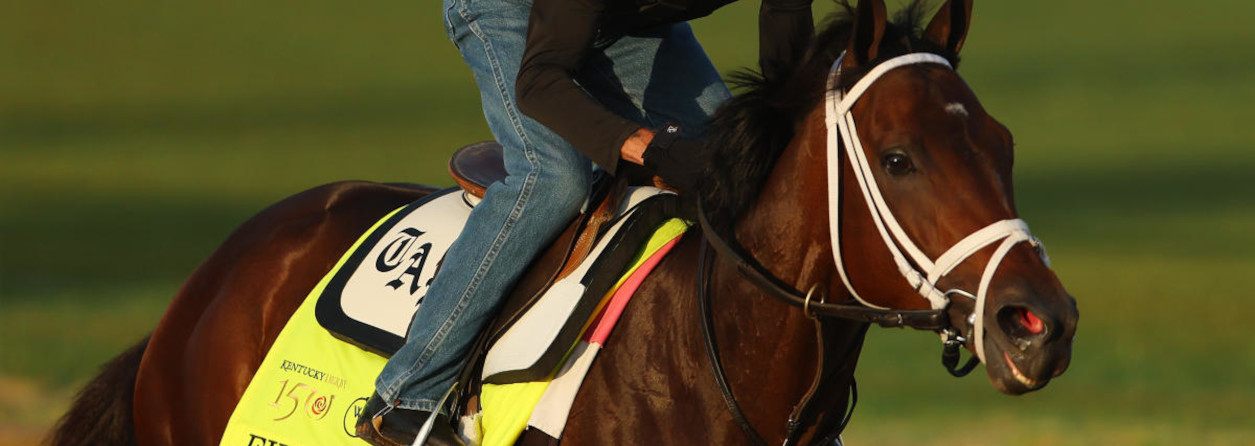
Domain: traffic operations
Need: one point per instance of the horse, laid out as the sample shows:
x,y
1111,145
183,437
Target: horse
x,y
936,159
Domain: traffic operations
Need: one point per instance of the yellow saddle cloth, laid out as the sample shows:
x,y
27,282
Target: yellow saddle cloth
x,y
311,387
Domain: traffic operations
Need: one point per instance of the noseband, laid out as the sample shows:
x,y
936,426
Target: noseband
x,y
919,270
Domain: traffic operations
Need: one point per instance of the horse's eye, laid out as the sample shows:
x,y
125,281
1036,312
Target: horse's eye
x,y
898,164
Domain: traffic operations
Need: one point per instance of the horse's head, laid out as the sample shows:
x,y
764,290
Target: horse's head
x,y
942,174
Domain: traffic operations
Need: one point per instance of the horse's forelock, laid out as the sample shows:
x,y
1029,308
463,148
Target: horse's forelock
x,y
750,131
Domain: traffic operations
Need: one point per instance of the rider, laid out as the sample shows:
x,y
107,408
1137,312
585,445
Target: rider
x,y
563,83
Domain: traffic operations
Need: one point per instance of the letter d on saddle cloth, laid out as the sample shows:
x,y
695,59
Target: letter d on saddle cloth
x,y
404,253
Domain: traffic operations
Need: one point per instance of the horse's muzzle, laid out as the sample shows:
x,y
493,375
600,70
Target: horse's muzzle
x,y
1031,342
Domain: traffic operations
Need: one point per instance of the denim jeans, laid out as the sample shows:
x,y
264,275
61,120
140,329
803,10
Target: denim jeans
x,y
652,77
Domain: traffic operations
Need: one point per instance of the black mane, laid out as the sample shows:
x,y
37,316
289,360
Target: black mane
x,y
750,131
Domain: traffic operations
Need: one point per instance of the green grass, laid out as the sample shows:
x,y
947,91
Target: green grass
x,y
135,135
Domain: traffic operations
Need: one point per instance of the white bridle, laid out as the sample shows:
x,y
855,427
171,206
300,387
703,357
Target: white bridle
x,y
920,271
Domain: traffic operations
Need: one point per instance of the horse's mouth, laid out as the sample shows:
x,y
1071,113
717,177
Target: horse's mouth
x,y
1029,383
1008,377
1019,374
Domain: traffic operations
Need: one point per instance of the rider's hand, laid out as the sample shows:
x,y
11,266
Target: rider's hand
x,y
678,161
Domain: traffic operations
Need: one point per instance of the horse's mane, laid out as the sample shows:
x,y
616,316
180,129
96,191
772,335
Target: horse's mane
x,y
750,131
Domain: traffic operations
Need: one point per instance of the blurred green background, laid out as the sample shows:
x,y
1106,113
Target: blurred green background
x,y
136,134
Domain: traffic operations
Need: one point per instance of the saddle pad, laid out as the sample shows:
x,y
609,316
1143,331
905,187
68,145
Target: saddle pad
x,y
371,299
545,404
534,345
311,386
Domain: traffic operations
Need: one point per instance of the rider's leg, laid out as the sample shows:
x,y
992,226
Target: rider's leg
x,y
547,183
654,77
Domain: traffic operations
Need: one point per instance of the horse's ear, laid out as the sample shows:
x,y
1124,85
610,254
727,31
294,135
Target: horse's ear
x,y
869,27
949,27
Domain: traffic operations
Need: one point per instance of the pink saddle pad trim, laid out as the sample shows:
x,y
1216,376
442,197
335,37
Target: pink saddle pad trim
x,y
604,323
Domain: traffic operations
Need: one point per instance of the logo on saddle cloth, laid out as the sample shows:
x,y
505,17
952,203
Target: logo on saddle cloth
x,y
372,296
405,250
312,386
351,414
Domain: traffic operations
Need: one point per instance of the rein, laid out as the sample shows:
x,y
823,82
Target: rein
x,y
920,271
774,287
805,407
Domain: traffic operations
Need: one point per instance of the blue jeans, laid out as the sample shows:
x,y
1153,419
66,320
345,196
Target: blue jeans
x,y
653,77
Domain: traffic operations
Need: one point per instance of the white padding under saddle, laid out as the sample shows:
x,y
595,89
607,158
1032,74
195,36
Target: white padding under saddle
x,y
524,344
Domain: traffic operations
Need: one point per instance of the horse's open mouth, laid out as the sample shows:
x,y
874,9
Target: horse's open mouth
x,y
1031,384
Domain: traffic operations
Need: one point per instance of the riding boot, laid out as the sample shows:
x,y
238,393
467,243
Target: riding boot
x,y
380,425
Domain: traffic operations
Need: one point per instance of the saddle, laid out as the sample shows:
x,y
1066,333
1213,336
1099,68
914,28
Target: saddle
x,y
475,167
330,351
404,247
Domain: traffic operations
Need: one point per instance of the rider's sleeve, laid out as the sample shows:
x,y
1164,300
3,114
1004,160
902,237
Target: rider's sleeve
x,y
785,28
560,33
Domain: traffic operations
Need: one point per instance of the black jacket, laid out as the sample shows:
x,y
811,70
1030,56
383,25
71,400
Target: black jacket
x,y
560,33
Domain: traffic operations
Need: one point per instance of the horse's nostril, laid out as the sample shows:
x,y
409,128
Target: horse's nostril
x,y
1021,325
1031,321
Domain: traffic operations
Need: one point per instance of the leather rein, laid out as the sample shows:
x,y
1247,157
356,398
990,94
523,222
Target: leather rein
x,y
757,274
773,286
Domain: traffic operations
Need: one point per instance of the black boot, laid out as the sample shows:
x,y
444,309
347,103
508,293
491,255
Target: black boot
x,y
399,427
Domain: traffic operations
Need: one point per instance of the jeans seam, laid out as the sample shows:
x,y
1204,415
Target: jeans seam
x,y
448,23
490,257
506,97
503,233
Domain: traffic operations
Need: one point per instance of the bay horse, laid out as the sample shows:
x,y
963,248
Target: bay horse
x,y
937,161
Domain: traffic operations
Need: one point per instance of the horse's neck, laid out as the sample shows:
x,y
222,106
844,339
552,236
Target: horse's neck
x,y
777,358
786,227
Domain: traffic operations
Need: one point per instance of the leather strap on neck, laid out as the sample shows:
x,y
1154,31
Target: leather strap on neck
x,y
712,348
758,275
805,412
